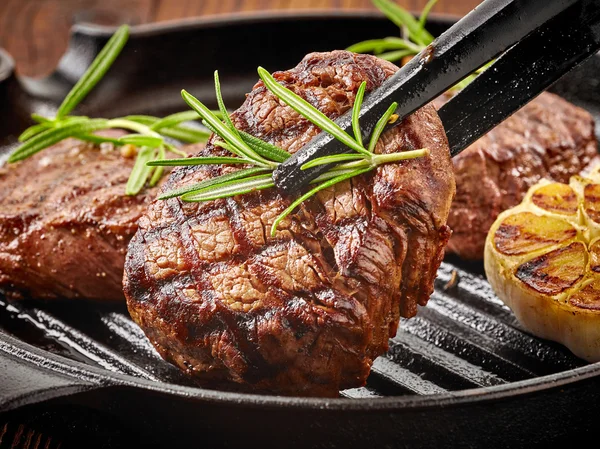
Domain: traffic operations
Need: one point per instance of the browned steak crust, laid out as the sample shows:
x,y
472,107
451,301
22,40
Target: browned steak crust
x,y
548,138
65,222
305,312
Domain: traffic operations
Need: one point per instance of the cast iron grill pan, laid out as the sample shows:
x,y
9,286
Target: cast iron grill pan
x,y
462,371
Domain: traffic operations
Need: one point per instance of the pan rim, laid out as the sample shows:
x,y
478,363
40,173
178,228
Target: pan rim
x,y
80,371
247,17
103,377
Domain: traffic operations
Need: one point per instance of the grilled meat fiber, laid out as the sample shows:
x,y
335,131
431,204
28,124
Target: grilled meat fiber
x,y
65,222
548,138
305,312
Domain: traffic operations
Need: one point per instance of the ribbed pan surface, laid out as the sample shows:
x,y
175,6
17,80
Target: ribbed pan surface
x,y
464,338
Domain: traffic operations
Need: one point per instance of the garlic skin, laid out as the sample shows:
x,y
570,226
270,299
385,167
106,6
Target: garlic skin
x,y
542,258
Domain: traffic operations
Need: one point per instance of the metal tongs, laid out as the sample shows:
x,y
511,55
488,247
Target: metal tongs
x,y
536,42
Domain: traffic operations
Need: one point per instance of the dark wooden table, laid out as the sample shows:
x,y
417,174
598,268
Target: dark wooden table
x,y
35,32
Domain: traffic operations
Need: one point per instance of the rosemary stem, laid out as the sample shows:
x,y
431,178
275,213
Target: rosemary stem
x,y
356,164
379,159
132,126
332,174
407,44
175,150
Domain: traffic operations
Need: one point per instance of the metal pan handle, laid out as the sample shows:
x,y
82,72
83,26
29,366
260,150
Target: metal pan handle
x,y
14,101
28,377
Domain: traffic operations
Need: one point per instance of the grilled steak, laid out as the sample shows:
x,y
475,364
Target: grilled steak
x,y
307,311
549,137
65,222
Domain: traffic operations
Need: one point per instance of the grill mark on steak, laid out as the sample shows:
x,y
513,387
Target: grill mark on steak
x,y
305,312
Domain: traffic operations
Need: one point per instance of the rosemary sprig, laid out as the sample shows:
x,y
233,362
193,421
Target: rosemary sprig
x,y
258,158
414,29
149,133
414,37
314,191
309,112
140,172
264,157
95,72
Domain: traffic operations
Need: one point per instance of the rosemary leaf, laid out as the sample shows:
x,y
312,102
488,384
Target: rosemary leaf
x,y
147,120
54,135
403,44
312,192
356,112
93,138
174,119
130,125
225,146
32,131
175,150
372,45
403,18
381,125
196,161
140,172
225,132
230,148
40,119
425,13
186,134
265,149
239,174
308,111
95,72
333,159
141,140
177,132
210,128
394,56
381,45
231,188
221,104
158,171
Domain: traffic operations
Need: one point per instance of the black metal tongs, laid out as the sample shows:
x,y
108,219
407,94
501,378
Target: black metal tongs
x,y
536,41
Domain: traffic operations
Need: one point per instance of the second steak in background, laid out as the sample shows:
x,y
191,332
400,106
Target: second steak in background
x,y
548,138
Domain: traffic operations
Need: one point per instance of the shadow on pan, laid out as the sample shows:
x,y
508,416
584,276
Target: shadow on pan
x,y
462,373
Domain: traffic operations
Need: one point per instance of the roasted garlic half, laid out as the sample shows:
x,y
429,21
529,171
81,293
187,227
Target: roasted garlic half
x,y
542,258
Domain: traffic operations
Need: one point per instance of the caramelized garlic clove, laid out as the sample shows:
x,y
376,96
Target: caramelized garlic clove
x,y
525,232
556,271
556,198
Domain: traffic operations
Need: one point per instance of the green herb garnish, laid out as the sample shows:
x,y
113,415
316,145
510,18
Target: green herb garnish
x,y
95,72
264,157
414,37
258,157
149,133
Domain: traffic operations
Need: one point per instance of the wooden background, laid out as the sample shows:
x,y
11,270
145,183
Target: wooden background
x,y
35,32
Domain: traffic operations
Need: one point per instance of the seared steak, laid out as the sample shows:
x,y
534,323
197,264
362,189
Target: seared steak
x,y
307,311
549,137
65,222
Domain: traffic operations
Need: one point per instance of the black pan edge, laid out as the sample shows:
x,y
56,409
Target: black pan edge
x,y
88,373
224,20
